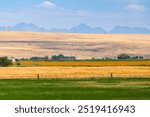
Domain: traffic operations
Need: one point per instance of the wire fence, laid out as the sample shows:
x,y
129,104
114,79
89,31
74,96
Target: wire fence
x,y
71,76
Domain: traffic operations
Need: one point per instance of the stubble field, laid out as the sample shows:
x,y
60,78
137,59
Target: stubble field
x,y
74,72
85,63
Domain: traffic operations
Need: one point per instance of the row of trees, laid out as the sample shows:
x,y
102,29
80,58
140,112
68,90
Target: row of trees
x,y
123,56
126,57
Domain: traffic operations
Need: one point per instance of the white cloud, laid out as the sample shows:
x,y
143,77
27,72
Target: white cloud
x,y
47,4
136,7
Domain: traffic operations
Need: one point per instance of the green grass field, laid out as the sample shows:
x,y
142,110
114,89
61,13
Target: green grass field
x,y
83,89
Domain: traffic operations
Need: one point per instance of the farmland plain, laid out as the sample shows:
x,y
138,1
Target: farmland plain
x,y
29,44
44,80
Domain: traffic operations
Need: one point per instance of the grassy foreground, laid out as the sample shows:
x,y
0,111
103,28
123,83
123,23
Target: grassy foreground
x,y
81,89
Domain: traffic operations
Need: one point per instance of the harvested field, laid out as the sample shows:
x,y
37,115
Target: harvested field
x,y
86,63
73,72
79,45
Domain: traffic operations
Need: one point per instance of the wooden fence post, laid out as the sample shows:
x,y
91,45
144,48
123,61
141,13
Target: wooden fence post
x,y
111,75
38,76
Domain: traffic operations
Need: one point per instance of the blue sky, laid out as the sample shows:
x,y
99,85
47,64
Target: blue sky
x,y
68,13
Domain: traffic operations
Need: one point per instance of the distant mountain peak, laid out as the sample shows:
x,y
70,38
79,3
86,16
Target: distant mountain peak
x,y
84,28
26,27
129,30
84,25
81,28
23,24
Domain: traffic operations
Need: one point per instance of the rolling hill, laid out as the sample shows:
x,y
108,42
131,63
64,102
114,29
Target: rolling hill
x,y
28,44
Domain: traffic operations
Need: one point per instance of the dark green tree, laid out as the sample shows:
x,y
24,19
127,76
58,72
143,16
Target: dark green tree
x,y
123,56
4,62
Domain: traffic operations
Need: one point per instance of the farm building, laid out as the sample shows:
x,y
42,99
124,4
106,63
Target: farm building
x,y
13,59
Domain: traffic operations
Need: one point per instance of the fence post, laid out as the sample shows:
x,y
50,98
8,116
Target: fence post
x,y
38,76
111,75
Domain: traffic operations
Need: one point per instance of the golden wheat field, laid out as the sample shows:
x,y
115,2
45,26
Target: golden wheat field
x,y
85,63
74,72
28,44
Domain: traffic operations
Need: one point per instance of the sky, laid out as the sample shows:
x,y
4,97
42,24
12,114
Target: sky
x,y
68,13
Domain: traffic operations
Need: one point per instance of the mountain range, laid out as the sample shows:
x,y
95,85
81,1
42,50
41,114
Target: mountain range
x,y
82,28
